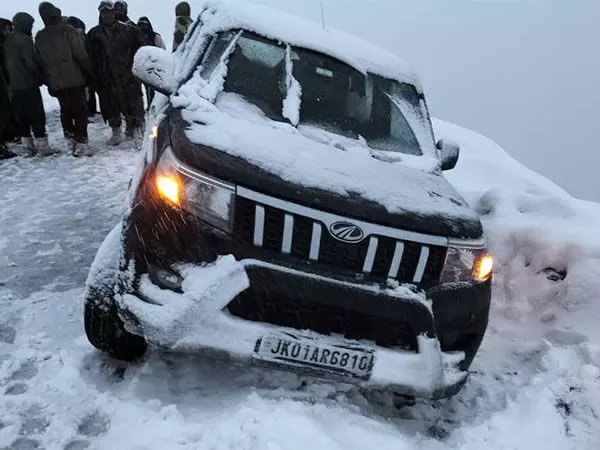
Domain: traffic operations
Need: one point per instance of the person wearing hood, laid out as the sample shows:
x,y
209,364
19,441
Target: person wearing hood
x,y
183,20
90,94
26,76
121,11
152,39
5,108
67,70
112,46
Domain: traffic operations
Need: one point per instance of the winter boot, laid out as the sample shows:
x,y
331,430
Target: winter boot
x,y
27,147
5,153
117,136
82,149
43,148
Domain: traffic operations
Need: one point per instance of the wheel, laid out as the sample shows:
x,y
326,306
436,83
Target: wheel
x,y
104,328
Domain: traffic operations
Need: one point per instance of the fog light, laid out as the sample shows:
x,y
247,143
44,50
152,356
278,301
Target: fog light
x,y
168,188
168,280
483,267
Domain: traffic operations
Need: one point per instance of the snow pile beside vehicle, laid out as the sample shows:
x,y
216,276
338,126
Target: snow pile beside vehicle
x,y
546,244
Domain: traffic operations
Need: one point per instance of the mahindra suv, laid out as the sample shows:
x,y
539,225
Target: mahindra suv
x,y
290,211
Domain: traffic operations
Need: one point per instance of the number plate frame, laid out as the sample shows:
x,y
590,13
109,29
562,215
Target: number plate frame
x,y
308,354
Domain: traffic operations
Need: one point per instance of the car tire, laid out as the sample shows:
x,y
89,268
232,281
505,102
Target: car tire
x,y
106,331
103,326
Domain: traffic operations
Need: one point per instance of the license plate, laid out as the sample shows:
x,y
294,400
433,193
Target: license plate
x,y
305,353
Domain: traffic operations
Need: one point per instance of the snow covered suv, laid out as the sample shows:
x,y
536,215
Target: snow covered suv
x,y
290,210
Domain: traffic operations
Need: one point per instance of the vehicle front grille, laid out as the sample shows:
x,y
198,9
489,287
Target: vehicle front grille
x,y
306,237
301,314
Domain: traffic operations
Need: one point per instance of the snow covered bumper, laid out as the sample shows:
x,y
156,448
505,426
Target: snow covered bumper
x,y
225,307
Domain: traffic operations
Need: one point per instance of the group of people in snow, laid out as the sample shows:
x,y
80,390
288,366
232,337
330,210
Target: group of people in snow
x,y
76,67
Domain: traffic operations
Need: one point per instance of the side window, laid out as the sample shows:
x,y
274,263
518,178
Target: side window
x,y
213,55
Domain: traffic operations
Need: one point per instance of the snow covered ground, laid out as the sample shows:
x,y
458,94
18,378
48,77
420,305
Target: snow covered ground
x,y
535,383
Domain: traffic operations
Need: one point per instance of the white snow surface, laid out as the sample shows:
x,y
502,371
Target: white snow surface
x,y
275,24
535,383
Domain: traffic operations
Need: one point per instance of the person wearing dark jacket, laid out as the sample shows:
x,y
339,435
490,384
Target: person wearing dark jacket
x,y
153,39
90,94
183,20
112,47
25,78
67,70
121,11
5,108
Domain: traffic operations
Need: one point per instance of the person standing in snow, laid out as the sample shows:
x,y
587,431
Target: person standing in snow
x,y
121,11
68,70
5,108
90,94
112,47
25,78
153,39
183,20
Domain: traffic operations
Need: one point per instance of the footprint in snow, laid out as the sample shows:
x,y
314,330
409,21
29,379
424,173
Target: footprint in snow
x,y
33,421
94,424
8,334
16,389
77,444
23,444
27,371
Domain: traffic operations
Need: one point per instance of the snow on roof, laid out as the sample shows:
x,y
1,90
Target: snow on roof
x,y
272,23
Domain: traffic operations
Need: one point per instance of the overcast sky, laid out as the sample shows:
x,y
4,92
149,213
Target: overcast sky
x,y
525,73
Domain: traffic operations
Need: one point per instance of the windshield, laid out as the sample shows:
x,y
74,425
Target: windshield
x,y
308,88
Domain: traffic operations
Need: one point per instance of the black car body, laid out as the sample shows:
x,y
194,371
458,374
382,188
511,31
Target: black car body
x,y
290,209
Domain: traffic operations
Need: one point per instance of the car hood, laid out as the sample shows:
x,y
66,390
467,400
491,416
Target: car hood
x,y
276,159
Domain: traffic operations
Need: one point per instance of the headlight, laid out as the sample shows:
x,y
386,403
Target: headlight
x,y
466,263
208,198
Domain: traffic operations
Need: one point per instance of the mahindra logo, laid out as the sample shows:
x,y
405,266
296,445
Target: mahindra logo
x,y
346,232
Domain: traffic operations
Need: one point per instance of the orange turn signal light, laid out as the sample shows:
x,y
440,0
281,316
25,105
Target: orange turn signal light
x,y
483,267
169,188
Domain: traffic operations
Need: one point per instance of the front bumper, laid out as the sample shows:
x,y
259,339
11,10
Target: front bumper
x,y
198,318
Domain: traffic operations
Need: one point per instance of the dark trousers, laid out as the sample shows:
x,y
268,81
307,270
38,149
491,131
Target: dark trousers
x,y
29,113
127,101
91,101
149,95
74,113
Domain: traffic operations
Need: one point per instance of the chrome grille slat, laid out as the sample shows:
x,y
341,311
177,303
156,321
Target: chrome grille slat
x,y
259,225
288,234
315,241
370,259
422,264
397,260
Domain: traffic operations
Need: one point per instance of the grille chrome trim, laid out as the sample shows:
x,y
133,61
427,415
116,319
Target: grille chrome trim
x,y
370,258
259,225
397,260
328,219
315,241
288,232
422,264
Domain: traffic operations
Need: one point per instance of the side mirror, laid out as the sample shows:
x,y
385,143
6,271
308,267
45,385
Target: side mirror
x,y
154,66
449,153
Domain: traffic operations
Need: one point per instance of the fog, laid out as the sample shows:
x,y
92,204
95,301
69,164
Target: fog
x,y
523,72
